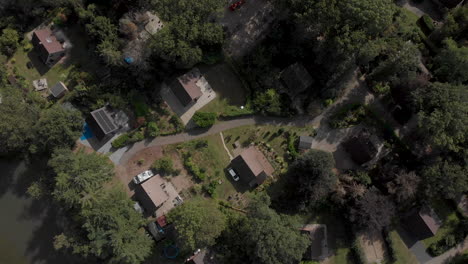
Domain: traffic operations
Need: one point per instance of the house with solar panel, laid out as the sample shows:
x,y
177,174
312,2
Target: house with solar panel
x,y
102,123
50,49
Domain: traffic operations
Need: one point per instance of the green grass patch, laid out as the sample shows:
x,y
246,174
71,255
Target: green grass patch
x,y
402,254
222,108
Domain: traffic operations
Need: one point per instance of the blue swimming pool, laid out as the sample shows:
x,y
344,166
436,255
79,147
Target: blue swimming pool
x,y
87,133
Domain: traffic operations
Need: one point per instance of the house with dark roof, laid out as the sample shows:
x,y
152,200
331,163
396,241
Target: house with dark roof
x,y
296,79
158,196
363,147
318,249
58,90
305,142
50,49
186,88
423,222
252,167
102,123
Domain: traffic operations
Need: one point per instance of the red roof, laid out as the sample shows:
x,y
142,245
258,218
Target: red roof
x,y
162,221
48,40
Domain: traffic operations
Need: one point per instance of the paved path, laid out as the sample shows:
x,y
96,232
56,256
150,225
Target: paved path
x,y
355,92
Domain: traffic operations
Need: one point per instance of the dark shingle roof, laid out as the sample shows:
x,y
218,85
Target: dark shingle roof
x,y
58,89
305,142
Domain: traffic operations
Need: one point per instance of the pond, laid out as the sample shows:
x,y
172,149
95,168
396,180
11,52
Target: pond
x,y
27,226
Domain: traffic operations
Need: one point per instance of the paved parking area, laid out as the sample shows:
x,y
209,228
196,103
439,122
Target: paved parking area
x,y
246,25
186,113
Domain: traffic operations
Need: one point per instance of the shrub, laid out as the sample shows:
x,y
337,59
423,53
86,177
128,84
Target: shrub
x,y
152,129
292,140
204,119
137,136
193,168
358,252
362,177
121,141
427,22
348,116
177,123
164,166
210,188
381,88
203,143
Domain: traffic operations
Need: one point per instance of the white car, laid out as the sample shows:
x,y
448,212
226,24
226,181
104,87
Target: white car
x,y
138,207
143,176
233,174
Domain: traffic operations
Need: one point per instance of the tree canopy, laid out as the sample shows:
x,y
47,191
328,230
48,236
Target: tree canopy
x,y
191,223
9,41
372,210
16,119
310,178
447,178
443,114
104,222
57,127
264,236
451,64
189,32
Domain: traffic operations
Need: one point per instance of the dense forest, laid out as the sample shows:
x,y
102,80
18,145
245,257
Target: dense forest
x,y
418,71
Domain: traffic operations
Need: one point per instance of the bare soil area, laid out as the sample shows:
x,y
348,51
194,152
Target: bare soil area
x,y
373,246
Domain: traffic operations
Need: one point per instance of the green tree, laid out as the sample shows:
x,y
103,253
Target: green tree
x,y
268,102
79,176
204,119
189,33
103,221
163,166
17,117
191,223
57,127
9,41
271,238
101,28
451,64
310,178
443,114
445,177
372,210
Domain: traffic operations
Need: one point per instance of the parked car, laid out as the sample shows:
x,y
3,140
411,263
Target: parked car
x,y
233,174
236,5
143,176
138,207
157,233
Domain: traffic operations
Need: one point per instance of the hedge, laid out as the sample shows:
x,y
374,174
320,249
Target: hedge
x,y
121,141
204,119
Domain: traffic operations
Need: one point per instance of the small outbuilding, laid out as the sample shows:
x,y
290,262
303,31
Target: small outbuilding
x,y
296,79
305,142
252,167
423,222
50,49
102,123
58,90
40,84
186,88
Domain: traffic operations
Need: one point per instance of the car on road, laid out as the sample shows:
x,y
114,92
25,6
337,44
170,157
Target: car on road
x,y
143,176
233,174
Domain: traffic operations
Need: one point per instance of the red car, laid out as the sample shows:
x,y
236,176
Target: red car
x,y
236,5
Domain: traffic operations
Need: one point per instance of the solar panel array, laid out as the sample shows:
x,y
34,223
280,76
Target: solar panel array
x,y
104,121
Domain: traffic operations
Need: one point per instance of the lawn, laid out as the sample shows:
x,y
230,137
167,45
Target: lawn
x,y
213,159
230,93
402,254
338,240
274,136
450,220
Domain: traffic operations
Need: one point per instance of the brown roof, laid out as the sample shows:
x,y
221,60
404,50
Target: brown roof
x,y
423,222
317,235
154,189
252,165
430,219
48,40
189,83
363,147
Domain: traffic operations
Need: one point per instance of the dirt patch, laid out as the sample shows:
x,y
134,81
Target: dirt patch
x,y
183,181
373,246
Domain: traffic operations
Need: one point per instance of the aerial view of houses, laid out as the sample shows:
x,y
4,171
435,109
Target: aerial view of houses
x,y
234,132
